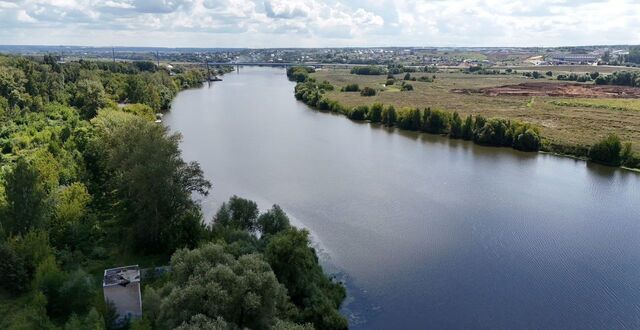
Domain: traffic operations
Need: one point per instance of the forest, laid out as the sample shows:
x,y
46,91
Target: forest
x,y
89,180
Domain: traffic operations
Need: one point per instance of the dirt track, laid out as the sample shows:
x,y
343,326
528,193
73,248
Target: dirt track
x,y
556,89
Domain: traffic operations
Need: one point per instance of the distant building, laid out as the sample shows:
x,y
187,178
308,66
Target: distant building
x,y
121,287
574,58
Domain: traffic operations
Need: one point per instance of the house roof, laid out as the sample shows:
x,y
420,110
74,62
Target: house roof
x,y
121,276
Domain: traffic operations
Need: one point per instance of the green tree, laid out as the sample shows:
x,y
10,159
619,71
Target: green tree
x,y
296,266
209,282
607,150
26,199
456,126
273,221
238,213
467,128
152,184
89,97
375,113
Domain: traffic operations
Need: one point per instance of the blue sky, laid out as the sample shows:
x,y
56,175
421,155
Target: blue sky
x,y
319,23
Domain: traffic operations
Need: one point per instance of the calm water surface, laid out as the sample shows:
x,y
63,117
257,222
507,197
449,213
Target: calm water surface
x,y
427,232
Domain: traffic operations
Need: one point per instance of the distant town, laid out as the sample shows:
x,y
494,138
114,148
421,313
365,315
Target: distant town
x,y
622,55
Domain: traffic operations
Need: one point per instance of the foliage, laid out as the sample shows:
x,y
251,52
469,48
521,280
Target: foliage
x,y
368,91
350,88
151,181
26,207
375,112
369,70
242,291
607,151
299,73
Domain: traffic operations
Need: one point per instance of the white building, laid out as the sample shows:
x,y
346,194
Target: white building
x,y
121,287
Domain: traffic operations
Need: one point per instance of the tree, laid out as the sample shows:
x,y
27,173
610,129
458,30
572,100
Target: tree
x,y
238,213
273,221
375,113
152,184
607,150
296,266
407,76
14,277
209,282
456,126
467,128
26,206
89,97
389,116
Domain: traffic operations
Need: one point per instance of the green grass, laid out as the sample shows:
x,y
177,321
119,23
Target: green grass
x,y
610,104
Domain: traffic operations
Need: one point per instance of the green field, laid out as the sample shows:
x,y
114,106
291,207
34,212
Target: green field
x,y
563,121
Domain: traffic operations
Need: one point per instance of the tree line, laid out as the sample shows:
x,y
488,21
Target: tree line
x,y
86,184
484,131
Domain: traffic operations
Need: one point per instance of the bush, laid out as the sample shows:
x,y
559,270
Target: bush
x,y
368,91
406,87
358,113
435,121
607,151
455,132
375,113
389,116
390,82
351,88
368,70
529,140
14,277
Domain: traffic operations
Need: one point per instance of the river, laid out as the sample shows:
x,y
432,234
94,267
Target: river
x,y
426,231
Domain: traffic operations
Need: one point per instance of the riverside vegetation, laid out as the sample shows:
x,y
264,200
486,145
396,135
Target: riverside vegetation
x,y
503,132
89,181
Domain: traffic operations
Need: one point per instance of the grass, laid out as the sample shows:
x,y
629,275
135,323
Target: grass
x,y
566,122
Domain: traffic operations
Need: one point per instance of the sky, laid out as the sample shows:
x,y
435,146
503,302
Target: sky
x,y
319,23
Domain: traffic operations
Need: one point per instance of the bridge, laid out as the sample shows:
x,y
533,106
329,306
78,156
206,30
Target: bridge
x,y
290,64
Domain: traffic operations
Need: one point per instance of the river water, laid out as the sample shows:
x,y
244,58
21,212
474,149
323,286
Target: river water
x,y
427,232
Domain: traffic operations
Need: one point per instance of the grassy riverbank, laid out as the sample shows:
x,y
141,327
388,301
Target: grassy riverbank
x,y
565,125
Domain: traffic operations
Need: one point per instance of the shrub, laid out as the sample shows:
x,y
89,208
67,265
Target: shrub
x,y
358,113
368,91
455,131
606,151
389,116
351,88
368,70
390,82
375,113
406,87
435,121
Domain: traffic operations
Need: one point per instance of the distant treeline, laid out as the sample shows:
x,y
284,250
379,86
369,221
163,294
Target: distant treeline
x,y
484,131
620,78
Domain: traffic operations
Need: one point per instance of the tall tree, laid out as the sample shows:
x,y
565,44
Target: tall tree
x,y
26,206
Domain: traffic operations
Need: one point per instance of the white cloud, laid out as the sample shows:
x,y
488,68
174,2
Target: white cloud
x,y
268,23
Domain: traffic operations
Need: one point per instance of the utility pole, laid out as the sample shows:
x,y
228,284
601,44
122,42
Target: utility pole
x,y
113,54
158,58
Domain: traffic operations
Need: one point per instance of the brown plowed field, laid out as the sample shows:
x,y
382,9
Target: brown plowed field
x,y
556,89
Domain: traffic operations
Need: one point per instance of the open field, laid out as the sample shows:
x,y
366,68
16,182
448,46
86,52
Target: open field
x,y
554,89
570,68
562,122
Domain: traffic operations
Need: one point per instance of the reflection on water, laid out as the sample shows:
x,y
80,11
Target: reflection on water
x,y
426,231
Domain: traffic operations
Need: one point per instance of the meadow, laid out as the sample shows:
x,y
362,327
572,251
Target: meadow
x,y
563,122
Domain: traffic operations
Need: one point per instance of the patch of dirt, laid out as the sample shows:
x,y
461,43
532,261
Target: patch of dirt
x,y
556,89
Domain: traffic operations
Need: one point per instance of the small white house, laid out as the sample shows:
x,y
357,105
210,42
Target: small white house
x,y
121,287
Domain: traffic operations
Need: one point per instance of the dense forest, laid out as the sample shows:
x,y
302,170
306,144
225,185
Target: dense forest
x,y
89,180
497,132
